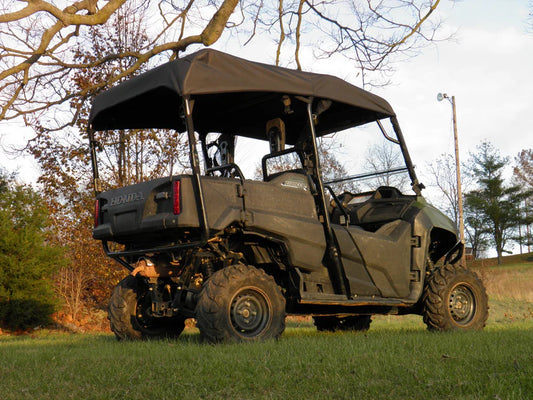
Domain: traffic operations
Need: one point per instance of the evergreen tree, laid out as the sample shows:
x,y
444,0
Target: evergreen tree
x,y
495,205
27,261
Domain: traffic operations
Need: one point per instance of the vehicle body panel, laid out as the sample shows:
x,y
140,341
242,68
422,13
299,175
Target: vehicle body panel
x,y
370,255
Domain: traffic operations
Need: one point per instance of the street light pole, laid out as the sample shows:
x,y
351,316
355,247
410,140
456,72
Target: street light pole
x,y
440,97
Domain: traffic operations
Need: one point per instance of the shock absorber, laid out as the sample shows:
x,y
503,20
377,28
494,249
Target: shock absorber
x,y
208,268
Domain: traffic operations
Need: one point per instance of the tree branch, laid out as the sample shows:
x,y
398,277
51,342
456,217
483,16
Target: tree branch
x,y
214,28
298,35
36,52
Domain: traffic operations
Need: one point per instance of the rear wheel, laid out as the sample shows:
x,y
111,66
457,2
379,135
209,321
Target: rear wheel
x,y
240,303
455,299
130,314
360,323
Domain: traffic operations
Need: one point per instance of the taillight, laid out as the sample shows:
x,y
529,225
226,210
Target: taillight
x,y
96,212
176,198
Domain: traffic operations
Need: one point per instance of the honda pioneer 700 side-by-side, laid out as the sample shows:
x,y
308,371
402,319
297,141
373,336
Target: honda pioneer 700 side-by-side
x,y
238,255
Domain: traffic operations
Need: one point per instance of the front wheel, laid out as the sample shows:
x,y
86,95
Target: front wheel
x,y
240,303
454,299
130,314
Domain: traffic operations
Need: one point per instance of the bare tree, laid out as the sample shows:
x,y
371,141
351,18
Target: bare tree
x,y
444,178
523,170
71,282
37,39
330,166
386,156
523,174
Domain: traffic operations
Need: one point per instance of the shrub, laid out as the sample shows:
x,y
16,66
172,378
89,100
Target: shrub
x,y
27,260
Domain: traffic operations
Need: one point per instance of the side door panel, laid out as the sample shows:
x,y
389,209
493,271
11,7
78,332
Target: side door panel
x,y
381,258
361,283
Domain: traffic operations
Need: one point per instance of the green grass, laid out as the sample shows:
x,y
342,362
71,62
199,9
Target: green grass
x,y
396,359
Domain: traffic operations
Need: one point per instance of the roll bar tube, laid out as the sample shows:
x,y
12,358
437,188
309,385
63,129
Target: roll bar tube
x,y
337,270
417,186
197,187
385,134
93,144
188,105
368,175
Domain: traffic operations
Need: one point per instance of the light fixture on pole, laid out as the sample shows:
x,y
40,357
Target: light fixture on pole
x,y
440,97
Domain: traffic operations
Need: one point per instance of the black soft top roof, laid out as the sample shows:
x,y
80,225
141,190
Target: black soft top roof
x,y
232,95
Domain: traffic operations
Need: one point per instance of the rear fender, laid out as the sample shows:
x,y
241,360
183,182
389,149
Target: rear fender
x,y
262,249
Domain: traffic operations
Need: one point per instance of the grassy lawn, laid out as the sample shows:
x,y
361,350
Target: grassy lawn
x,y
396,359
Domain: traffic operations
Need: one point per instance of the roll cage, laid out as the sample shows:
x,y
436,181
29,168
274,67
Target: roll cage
x,y
311,105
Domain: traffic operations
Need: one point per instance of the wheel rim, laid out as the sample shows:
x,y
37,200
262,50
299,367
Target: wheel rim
x,y
251,312
462,304
143,313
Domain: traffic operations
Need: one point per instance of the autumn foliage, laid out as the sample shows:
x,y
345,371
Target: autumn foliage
x,y
86,281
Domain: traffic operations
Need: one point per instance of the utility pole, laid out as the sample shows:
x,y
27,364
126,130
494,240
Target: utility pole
x,y
440,97
528,234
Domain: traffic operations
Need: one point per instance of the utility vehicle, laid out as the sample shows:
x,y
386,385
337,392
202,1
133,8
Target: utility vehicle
x,y
238,255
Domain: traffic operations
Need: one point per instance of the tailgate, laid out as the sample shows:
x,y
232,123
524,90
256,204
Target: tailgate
x,y
160,209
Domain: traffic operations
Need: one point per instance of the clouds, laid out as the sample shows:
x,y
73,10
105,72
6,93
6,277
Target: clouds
x,y
488,68
489,72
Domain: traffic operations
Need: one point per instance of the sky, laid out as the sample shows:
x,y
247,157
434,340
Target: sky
x,y
487,67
